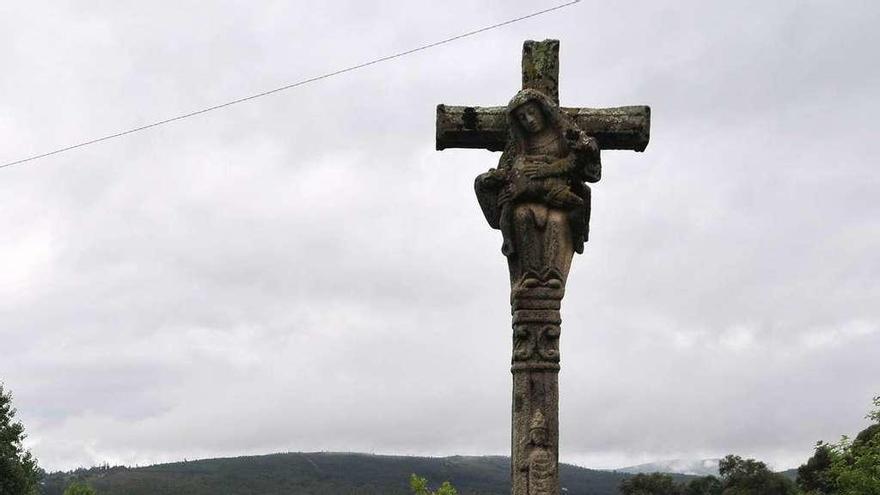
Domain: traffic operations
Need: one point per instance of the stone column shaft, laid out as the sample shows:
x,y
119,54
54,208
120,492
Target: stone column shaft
x,y
535,368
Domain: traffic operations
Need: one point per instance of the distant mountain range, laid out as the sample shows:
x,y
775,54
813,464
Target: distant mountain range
x,y
326,473
701,467
689,467
321,474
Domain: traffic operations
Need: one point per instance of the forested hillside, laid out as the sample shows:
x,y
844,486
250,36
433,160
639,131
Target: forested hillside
x,y
320,474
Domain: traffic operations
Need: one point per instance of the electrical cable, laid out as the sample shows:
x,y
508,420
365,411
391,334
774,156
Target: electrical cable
x,y
288,86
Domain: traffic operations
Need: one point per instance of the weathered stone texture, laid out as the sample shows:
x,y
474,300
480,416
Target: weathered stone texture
x,y
538,197
620,128
540,67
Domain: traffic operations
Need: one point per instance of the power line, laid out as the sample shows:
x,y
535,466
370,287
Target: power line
x,y
288,86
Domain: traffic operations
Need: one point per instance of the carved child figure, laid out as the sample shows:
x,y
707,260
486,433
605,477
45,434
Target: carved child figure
x,y
540,174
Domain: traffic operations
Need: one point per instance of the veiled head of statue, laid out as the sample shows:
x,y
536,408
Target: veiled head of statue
x,y
531,112
530,117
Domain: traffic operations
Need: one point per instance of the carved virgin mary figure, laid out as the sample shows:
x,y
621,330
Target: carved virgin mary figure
x,y
537,196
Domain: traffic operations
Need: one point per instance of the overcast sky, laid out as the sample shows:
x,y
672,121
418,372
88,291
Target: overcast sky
x,y
305,272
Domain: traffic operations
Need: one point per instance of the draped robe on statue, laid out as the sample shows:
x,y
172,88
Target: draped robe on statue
x,y
537,196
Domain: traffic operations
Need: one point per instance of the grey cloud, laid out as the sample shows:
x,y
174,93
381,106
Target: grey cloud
x,y
305,272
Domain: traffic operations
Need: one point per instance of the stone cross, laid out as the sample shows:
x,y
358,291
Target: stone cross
x,y
538,198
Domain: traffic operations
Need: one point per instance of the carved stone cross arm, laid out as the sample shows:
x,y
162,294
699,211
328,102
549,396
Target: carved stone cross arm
x,y
620,128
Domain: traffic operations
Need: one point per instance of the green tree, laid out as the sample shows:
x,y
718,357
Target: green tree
x,y
855,465
650,484
750,477
848,467
77,488
420,487
19,474
814,477
705,485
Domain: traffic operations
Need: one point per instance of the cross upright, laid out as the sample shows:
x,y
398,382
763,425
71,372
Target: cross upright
x,y
539,200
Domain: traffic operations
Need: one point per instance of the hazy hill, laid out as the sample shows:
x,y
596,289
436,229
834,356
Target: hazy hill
x,y
321,474
696,467
691,467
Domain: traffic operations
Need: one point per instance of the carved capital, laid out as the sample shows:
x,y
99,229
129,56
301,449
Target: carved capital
x,y
535,306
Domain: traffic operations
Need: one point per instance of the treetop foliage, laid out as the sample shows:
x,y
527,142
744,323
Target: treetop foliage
x,y
419,486
78,488
19,474
650,484
848,467
750,477
738,477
